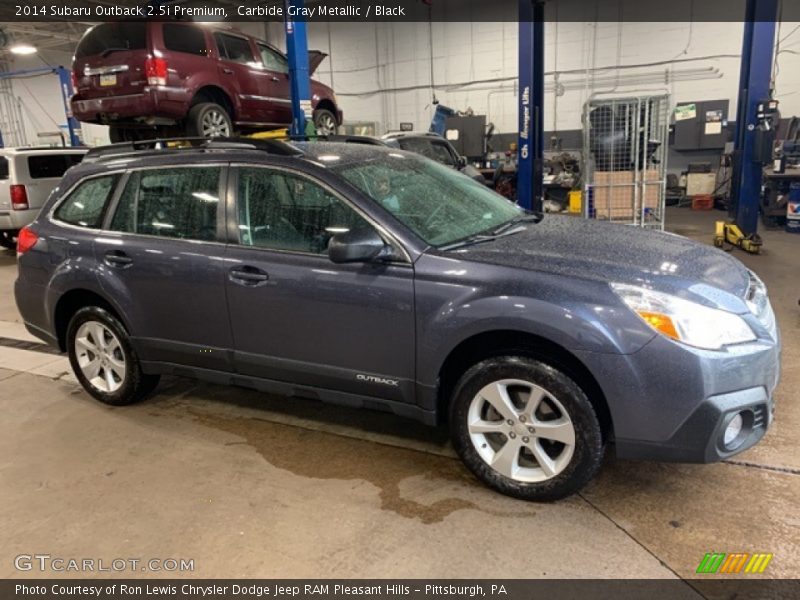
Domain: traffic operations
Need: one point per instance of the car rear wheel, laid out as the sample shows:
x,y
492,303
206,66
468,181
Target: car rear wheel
x,y
209,120
324,122
103,358
525,429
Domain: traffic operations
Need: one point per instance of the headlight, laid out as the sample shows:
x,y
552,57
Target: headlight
x,y
685,321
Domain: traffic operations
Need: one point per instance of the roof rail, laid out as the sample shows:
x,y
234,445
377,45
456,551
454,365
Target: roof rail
x,y
200,144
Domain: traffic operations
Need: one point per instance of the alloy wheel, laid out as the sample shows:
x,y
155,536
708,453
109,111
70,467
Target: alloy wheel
x,y
215,124
100,356
521,430
325,125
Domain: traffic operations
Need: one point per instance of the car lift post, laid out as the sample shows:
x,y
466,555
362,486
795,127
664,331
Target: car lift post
x,y
65,85
530,147
297,56
754,88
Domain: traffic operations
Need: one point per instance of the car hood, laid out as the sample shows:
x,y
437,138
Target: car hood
x,y
315,58
576,247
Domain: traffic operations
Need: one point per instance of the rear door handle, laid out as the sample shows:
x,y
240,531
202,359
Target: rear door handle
x,y
227,71
117,258
251,276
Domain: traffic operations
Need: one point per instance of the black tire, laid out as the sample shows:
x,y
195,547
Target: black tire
x,y
119,134
135,385
202,116
8,239
324,122
580,464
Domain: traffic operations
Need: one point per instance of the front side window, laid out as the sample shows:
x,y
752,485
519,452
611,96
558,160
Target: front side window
x,y
438,203
86,204
273,61
233,48
185,38
3,167
282,211
174,203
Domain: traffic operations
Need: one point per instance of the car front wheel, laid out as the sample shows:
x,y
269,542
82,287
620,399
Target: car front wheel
x,y
525,428
324,122
209,120
103,358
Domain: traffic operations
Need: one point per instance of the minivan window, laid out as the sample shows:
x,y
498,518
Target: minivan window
x,y
176,203
233,48
3,167
185,38
111,37
273,61
85,205
281,211
51,166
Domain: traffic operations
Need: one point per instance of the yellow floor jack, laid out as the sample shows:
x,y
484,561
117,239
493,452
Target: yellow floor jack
x,y
728,233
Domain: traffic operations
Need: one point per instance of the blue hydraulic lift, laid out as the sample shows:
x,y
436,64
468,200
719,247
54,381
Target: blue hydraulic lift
x,y
754,90
530,147
297,56
65,85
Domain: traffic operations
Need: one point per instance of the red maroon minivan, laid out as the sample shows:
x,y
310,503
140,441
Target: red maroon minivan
x,y
153,78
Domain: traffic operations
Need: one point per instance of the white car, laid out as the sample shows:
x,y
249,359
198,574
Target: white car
x,y
27,176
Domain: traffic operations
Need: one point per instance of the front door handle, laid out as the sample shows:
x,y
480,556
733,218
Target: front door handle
x,y
251,276
275,78
117,258
227,71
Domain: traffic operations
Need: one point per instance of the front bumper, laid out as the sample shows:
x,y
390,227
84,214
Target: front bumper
x,y
670,402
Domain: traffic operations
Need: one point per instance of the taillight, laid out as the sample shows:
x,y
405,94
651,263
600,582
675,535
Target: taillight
x,y
19,197
156,71
26,240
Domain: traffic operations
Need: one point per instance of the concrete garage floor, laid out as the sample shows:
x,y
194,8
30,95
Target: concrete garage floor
x,y
250,485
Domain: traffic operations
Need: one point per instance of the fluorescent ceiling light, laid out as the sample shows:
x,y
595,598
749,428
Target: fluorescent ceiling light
x,y
23,49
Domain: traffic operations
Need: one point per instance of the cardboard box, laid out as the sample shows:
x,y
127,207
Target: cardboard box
x,y
614,194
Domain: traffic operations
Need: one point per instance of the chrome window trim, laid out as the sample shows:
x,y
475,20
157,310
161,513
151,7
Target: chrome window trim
x,y
382,230
66,195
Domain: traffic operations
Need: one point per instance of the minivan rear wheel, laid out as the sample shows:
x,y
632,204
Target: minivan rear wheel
x,y
103,359
208,120
324,122
525,428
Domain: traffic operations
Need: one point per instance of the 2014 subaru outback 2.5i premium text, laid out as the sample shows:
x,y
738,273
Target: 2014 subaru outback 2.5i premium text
x,y
374,277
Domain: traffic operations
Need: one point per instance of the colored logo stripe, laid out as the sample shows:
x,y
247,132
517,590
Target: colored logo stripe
x,y
720,562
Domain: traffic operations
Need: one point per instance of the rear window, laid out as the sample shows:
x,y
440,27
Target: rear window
x,y
185,38
3,167
46,166
111,37
233,48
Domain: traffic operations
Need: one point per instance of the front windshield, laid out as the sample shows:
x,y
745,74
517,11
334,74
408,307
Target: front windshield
x,y
439,204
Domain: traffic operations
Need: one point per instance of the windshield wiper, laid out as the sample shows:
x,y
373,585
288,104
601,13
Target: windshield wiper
x,y
470,241
527,218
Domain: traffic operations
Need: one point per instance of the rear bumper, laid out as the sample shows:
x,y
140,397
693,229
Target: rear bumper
x,y
153,106
14,220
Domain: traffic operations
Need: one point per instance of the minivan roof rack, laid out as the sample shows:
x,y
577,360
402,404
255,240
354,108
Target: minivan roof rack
x,y
271,146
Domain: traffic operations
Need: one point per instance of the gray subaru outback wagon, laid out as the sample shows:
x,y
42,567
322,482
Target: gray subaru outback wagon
x,y
373,277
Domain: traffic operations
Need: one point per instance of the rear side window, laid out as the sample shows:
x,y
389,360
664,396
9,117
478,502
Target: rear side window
x,y
86,204
112,37
44,166
3,167
433,150
185,38
233,48
174,203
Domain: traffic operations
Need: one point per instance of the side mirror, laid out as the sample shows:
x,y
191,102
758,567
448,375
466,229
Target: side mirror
x,y
462,162
359,245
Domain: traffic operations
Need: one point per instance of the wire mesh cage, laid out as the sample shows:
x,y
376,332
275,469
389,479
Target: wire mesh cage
x,y
625,142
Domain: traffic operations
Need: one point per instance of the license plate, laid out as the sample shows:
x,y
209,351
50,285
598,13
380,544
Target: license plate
x,y
108,80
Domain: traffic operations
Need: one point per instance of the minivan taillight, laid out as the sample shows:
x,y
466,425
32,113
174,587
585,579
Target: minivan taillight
x,y
19,197
26,239
156,71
